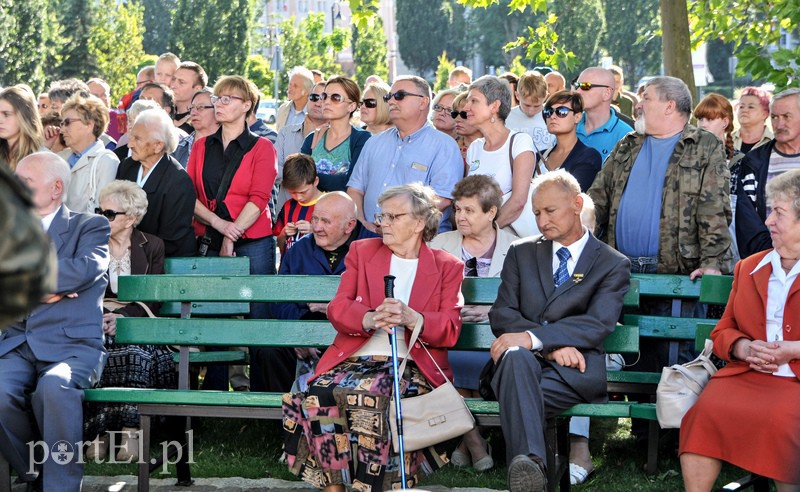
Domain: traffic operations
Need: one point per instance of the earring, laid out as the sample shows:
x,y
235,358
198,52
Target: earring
x,y
493,119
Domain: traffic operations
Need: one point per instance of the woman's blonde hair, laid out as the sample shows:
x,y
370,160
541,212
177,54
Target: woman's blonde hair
x,y
382,110
31,135
130,198
90,109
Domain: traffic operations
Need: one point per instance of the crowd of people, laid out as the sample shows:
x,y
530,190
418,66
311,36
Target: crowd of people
x,y
390,179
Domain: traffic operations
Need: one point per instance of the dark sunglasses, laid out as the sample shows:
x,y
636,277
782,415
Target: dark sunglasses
x,y
561,112
314,97
108,214
337,98
456,114
586,86
370,103
399,96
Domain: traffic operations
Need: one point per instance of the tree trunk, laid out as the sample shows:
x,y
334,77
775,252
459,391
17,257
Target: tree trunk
x,y
676,46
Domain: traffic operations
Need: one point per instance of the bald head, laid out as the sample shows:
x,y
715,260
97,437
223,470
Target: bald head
x,y
555,82
333,219
47,176
598,91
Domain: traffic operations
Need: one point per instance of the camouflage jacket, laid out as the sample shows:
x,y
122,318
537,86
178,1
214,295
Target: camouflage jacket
x,y
695,208
27,262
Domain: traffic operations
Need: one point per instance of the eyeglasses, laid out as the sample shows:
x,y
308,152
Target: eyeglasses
x,y
108,214
456,114
399,96
371,103
561,112
201,106
314,97
68,121
442,109
224,100
388,218
337,98
586,86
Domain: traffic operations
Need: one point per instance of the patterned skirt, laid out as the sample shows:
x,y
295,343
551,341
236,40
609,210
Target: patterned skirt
x,y
338,431
128,366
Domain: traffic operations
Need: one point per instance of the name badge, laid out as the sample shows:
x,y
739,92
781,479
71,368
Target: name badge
x,y
419,167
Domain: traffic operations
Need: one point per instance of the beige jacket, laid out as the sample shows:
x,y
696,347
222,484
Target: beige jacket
x,y
95,169
451,242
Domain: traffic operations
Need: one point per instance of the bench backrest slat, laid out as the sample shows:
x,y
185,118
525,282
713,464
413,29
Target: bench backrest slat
x,y
716,289
207,265
673,286
665,326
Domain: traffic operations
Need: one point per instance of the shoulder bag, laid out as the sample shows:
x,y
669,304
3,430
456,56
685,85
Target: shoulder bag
x,y
525,224
680,386
431,418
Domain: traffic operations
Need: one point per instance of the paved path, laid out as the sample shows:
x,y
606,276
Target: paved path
x,y
127,483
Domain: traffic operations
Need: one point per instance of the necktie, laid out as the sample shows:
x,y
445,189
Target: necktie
x,y
561,274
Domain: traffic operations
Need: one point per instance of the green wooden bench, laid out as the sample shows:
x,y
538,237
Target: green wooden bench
x,y
189,331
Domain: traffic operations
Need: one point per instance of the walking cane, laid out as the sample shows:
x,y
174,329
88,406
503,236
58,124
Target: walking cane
x,y
388,282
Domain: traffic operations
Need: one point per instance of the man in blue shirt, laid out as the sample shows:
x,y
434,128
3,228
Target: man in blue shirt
x,y
600,128
412,151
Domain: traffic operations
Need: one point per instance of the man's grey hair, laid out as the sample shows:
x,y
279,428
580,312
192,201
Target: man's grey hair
x,y
305,74
422,84
673,89
495,89
560,178
787,93
785,186
53,166
160,128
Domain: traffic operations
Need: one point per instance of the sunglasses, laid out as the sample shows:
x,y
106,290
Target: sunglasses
x,y
337,98
399,96
456,114
370,103
224,100
68,121
314,97
586,86
561,112
108,214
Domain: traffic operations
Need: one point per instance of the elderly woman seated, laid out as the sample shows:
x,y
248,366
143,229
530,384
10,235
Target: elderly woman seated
x,y
482,246
170,192
129,366
749,412
337,433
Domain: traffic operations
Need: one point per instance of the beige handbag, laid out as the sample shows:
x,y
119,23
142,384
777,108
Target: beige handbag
x,y
431,418
680,386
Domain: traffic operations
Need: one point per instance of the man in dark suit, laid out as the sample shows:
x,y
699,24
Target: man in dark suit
x,y
49,356
561,295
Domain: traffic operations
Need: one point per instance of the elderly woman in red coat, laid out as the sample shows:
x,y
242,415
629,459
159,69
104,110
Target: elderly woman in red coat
x,y
749,413
337,433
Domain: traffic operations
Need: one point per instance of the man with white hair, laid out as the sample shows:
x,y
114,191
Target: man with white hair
x,y
293,111
762,164
600,127
48,357
170,192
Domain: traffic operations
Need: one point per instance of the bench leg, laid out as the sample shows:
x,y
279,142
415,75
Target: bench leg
x,y
182,470
5,475
653,431
557,438
562,438
144,462
551,438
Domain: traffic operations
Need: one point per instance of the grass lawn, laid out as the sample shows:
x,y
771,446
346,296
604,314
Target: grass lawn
x,y
251,449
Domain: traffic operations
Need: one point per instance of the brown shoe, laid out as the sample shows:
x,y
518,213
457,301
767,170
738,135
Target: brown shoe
x,y
526,475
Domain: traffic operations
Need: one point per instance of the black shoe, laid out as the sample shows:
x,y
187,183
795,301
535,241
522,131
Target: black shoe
x,y
526,475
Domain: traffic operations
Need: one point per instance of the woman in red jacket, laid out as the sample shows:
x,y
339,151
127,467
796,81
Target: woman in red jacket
x,y
338,432
233,171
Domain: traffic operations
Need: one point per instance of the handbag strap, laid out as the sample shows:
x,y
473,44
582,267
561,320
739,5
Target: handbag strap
x,y
511,152
414,336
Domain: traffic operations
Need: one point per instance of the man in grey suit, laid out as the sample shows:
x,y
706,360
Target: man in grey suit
x,y
50,355
560,296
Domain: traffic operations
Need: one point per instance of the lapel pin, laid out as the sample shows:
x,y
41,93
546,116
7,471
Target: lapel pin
x,y
576,278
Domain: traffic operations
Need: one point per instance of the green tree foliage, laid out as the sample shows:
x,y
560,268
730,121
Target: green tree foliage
x,y
580,25
369,50
307,44
491,28
257,71
425,28
76,18
755,28
443,72
213,33
22,49
158,25
634,46
115,43
516,67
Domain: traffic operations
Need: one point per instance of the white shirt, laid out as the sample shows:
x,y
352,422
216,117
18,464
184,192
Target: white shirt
x,y
141,180
404,271
575,251
48,219
535,126
779,285
495,163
